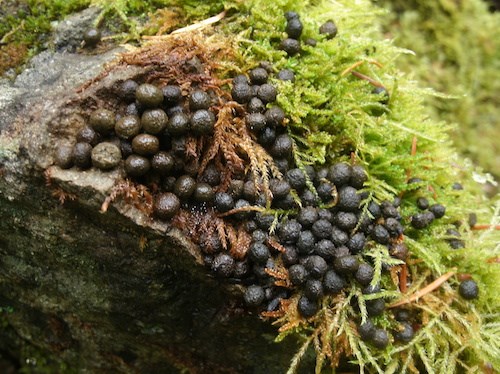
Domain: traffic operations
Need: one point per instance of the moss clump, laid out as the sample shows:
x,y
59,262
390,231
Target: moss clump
x,y
336,116
457,54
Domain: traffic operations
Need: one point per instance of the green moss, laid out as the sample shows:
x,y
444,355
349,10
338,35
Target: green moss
x,y
457,53
335,116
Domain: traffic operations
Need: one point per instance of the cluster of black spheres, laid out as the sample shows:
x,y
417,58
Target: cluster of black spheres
x,y
320,248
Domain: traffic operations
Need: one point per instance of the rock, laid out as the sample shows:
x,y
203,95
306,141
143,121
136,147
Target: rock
x,y
68,33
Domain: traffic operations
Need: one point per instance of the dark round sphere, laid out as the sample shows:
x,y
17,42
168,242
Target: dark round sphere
x,y
313,289
333,283
154,121
290,256
87,135
172,94
199,99
102,121
163,162
223,265
306,242
202,122
184,187
290,46
399,251
241,93
421,220
364,274
204,193
254,295
267,136
128,126
106,156
178,124
126,90
356,243
279,188
375,307
294,28
306,307
380,234
297,274
289,15
149,95
316,266
145,144
322,229
286,75
275,116
405,334
264,221
366,330
380,338
296,178
468,289
340,174
63,156
438,210
166,205
346,264
289,231
311,42
91,37
258,76
259,253
394,227
348,199
325,248
402,315
223,202
422,203
308,198
345,220
137,166
339,237
267,93
211,175
240,79
358,177
282,146
132,109
256,121
307,216
329,29
255,105
82,155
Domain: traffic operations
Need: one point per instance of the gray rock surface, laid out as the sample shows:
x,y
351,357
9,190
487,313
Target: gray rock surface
x,y
86,292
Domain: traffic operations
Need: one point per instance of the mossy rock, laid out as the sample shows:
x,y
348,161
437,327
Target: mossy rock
x,y
139,274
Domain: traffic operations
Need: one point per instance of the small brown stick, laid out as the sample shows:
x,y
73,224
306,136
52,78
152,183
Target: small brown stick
x,y
359,63
485,227
414,146
424,291
370,80
252,208
194,26
403,279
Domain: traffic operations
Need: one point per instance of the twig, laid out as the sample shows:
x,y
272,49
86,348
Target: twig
x,y
372,81
485,227
424,291
194,26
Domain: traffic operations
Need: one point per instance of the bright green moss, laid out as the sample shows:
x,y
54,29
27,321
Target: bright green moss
x,y
457,53
335,116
